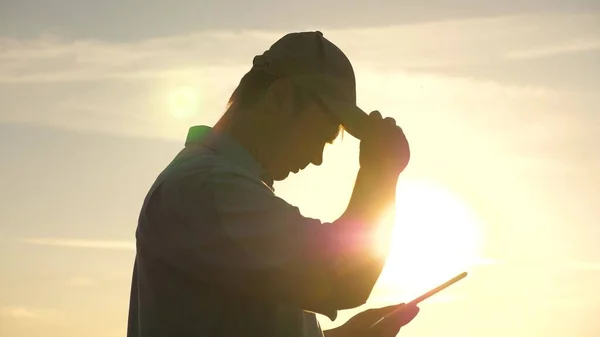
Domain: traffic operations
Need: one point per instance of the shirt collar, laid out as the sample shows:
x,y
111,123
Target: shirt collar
x,y
228,147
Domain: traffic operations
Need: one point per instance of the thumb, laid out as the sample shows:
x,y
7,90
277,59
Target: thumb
x,y
406,314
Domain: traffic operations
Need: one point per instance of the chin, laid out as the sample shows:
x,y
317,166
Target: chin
x,y
281,175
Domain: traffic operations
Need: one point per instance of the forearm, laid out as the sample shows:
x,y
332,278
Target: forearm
x,y
357,234
374,193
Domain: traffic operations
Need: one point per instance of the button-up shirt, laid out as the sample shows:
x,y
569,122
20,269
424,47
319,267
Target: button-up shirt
x,y
219,254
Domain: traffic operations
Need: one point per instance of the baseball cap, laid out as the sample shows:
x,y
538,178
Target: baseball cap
x,y
317,65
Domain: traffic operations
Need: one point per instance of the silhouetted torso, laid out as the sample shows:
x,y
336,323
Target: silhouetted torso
x,y
193,257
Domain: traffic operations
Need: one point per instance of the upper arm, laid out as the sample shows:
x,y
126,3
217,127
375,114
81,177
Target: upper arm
x,y
231,230
270,243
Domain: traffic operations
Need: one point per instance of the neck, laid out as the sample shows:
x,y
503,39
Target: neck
x,y
245,132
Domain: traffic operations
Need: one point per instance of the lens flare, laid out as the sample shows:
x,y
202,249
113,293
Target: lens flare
x,y
184,102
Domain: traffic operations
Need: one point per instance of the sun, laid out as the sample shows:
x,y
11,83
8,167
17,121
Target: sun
x,y
435,237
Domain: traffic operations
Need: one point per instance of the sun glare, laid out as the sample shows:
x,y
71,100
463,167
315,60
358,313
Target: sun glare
x,y
436,236
184,101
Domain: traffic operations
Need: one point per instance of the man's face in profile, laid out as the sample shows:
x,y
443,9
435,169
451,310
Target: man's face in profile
x,y
300,136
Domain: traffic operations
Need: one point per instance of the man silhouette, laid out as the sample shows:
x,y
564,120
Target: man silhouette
x,y
219,254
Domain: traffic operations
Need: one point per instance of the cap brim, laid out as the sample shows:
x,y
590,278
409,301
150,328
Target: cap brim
x,y
353,119
333,92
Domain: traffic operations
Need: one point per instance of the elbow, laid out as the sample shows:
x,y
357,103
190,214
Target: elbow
x,y
333,295
352,293
354,289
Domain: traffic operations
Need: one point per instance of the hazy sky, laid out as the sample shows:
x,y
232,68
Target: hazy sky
x,y
499,100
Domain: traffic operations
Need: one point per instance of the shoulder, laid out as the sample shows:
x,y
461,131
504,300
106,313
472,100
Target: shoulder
x,y
204,167
197,172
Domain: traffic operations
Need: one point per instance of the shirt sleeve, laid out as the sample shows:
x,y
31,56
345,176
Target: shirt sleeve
x,y
233,231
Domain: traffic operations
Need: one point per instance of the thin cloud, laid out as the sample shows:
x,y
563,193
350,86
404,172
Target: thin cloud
x,y
54,59
211,63
553,50
22,312
422,45
17,312
140,109
81,243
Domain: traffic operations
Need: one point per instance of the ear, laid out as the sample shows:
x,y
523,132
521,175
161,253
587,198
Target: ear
x,y
280,98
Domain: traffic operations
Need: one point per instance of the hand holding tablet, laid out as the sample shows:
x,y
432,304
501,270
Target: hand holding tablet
x,y
425,295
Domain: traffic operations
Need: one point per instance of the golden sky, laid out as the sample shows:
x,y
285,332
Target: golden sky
x,y
499,102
